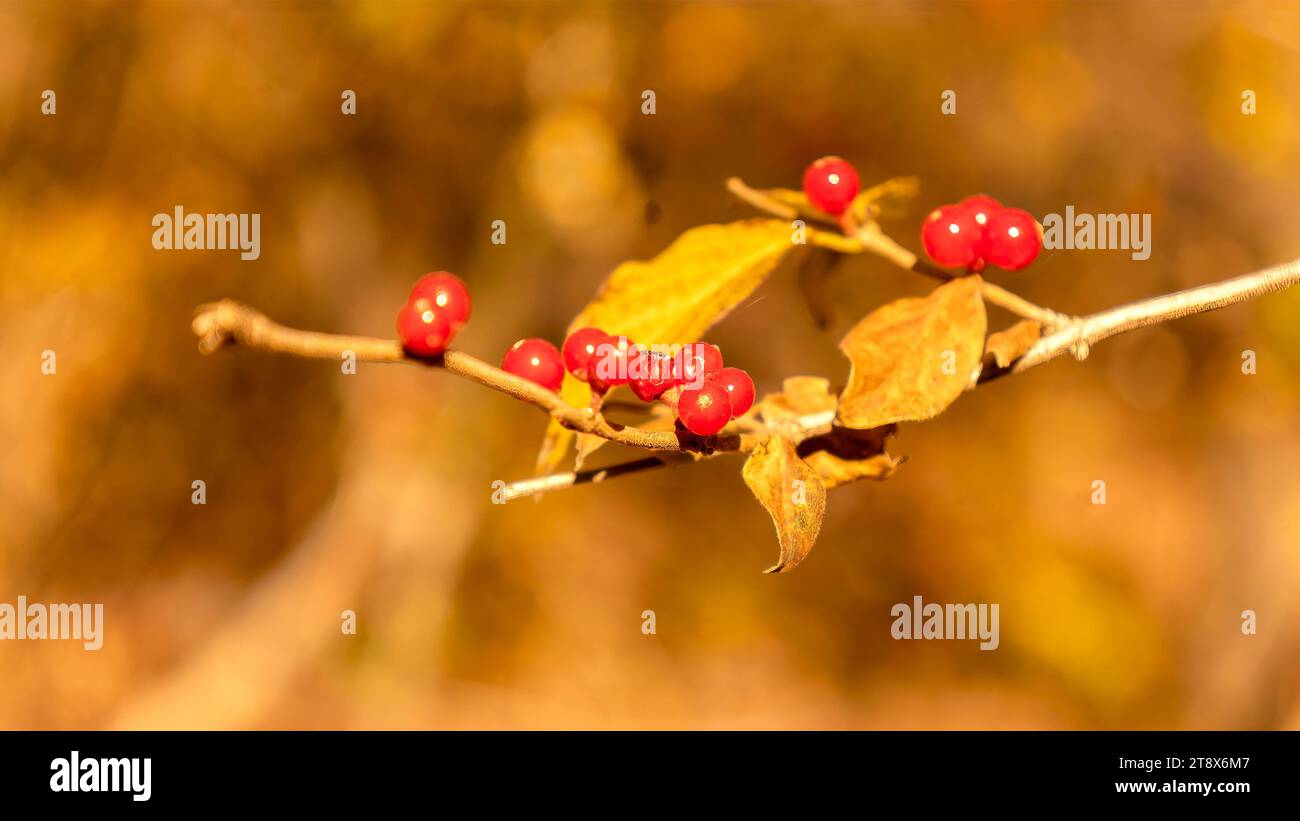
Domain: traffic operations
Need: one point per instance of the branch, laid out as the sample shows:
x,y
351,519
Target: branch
x,y
1089,330
229,322
559,481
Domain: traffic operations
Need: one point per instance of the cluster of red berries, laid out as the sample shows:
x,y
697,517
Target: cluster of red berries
x,y
977,232
438,307
709,396
973,234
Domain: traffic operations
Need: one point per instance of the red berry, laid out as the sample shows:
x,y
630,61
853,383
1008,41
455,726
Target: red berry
x,y
982,207
952,236
610,364
1012,239
696,362
831,184
704,410
579,348
536,360
448,293
739,387
651,374
424,330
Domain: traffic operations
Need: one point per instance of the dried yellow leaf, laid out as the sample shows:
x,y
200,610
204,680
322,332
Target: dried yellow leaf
x,y
846,455
912,358
793,494
802,400
1007,346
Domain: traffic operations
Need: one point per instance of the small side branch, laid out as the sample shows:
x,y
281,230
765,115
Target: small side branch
x,y
560,481
869,237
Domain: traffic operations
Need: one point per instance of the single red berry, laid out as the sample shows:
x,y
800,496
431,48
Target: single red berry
x,y
610,363
704,410
982,207
952,237
579,348
651,374
739,387
536,360
831,184
424,330
696,362
1012,240
448,293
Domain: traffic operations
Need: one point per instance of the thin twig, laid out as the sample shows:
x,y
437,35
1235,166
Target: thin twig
x,y
776,208
808,426
559,481
226,322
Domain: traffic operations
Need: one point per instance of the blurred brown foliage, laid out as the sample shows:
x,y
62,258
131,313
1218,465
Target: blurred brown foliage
x,y
372,492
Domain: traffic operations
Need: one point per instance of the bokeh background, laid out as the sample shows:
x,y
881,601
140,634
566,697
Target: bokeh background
x,y
372,492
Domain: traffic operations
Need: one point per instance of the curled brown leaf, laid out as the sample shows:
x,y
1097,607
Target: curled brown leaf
x,y
847,455
793,494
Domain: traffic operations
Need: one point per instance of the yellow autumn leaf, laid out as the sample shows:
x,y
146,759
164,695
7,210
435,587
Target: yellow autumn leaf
x,y
1005,347
677,296
884,198
913,357
674,298
797,200
840,455
793,494
803,401
846,455
835,471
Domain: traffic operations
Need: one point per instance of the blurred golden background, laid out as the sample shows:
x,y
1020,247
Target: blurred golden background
x,y
371,492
